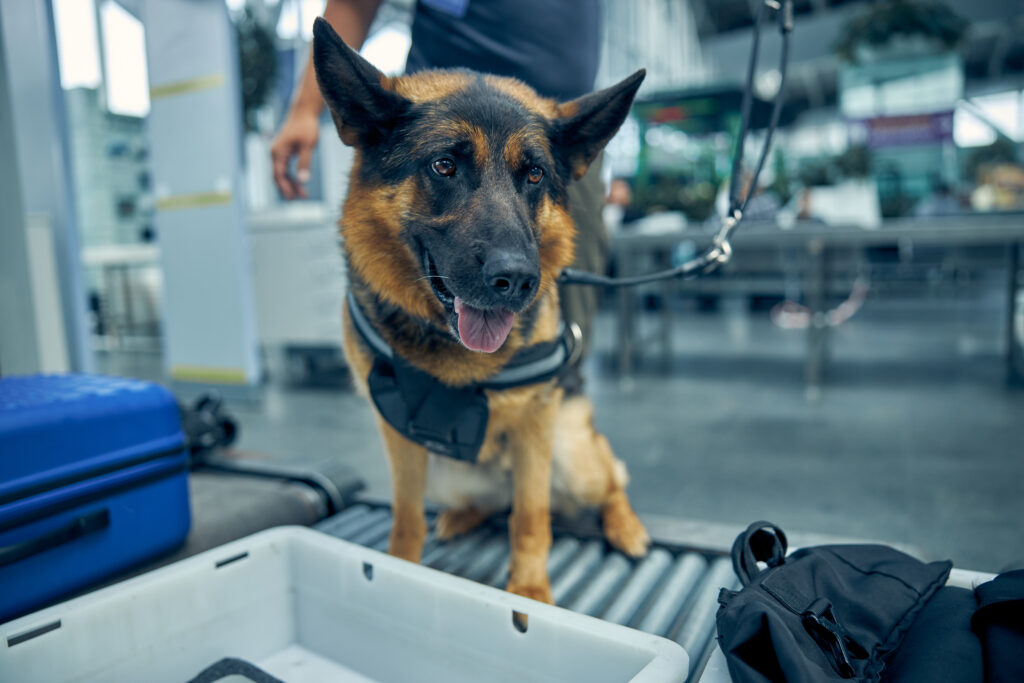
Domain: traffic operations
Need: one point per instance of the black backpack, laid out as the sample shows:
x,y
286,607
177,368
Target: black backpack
x,y
823,613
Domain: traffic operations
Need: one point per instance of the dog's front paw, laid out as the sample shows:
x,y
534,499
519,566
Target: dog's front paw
x,y
623,528
535,591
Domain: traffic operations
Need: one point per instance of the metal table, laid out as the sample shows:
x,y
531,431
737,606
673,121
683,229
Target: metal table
x,y
819,245
116,262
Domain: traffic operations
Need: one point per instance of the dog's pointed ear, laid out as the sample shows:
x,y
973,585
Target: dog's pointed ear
x,y
363,108
585,125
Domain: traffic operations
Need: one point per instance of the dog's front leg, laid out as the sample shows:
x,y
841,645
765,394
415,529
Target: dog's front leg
x,y
408,483
530,524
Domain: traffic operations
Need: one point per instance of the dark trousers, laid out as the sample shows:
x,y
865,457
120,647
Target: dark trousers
x,y
586,200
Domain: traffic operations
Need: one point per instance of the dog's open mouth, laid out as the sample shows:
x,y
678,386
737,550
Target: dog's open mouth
x,y
479,329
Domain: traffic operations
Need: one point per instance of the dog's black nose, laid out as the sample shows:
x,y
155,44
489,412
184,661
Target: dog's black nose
x,y
511,276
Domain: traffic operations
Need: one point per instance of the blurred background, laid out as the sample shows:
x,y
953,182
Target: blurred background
x,y
855,371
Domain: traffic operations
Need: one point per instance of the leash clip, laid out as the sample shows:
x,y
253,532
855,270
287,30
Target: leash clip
x,y
721,252
574,336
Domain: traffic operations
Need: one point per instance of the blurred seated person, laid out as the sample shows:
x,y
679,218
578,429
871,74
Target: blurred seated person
x,y
762,205
942,201
619,209
1000,188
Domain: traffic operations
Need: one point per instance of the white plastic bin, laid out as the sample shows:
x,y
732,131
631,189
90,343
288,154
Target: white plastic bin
x,y
304,606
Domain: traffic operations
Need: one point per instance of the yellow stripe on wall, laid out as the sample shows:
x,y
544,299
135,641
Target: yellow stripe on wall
x,y
207,82
209,374
191,201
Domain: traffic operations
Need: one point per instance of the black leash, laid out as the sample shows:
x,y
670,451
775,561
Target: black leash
x,y
721,250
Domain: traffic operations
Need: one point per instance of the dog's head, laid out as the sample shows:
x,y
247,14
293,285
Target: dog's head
x,y
457,205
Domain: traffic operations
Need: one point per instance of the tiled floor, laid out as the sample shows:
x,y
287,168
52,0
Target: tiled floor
x,y
915,439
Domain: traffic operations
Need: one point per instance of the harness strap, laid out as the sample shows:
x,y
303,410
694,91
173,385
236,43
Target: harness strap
x,y
366,330
450,421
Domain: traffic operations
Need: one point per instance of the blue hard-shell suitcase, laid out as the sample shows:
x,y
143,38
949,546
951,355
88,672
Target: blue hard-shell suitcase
x,y
93,479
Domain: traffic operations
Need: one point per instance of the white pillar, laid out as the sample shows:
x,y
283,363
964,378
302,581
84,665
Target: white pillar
x,y
41,289
195,143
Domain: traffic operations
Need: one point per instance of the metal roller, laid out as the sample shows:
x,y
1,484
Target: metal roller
x,y
600,591
697,627
638,588
486,560
382,544
363,523
339,524
678,588
577,571
445,551
463,553
372,534
561,552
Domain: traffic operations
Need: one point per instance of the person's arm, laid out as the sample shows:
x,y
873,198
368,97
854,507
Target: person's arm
x,y
301,128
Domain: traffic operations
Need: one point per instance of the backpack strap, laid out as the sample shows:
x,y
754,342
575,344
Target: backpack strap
x,y
761,542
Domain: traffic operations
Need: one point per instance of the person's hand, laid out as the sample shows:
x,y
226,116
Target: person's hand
x,y
297,138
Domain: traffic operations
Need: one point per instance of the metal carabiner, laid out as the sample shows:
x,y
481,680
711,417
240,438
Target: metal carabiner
x,y
721,252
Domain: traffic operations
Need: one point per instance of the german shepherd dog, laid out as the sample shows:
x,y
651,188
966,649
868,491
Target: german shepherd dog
x,y
455,229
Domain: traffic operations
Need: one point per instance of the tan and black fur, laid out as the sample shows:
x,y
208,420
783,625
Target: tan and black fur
x,y
417,238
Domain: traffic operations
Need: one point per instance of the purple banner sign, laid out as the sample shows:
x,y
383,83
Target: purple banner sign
x,y
898,131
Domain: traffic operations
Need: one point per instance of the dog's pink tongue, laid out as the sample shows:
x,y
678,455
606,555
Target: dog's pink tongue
x,y
483,330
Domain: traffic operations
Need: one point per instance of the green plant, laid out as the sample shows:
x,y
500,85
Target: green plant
x,y
814,172
884,20
781,183
855,162
257,58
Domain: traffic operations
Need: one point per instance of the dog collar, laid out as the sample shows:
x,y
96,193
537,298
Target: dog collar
x,y
449,420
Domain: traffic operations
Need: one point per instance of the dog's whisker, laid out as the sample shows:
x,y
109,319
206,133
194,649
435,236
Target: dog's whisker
x,y
429,277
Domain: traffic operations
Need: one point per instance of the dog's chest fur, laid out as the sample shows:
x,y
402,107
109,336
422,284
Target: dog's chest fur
x,y
488,484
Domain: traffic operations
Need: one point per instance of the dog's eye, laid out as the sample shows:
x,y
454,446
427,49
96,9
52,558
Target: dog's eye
x,y
443,167
535,174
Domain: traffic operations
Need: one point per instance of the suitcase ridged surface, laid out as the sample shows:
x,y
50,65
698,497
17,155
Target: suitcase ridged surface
x,y
54,428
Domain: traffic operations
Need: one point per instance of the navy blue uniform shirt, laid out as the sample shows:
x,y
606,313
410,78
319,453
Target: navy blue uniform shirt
x,y
551,45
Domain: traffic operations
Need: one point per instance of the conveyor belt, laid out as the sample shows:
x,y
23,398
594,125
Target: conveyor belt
x,y
672,592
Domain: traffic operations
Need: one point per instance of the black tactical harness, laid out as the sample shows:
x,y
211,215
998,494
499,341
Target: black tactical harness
x,y
447,420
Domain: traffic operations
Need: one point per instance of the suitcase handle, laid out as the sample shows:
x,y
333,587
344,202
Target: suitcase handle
x,y
89,523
